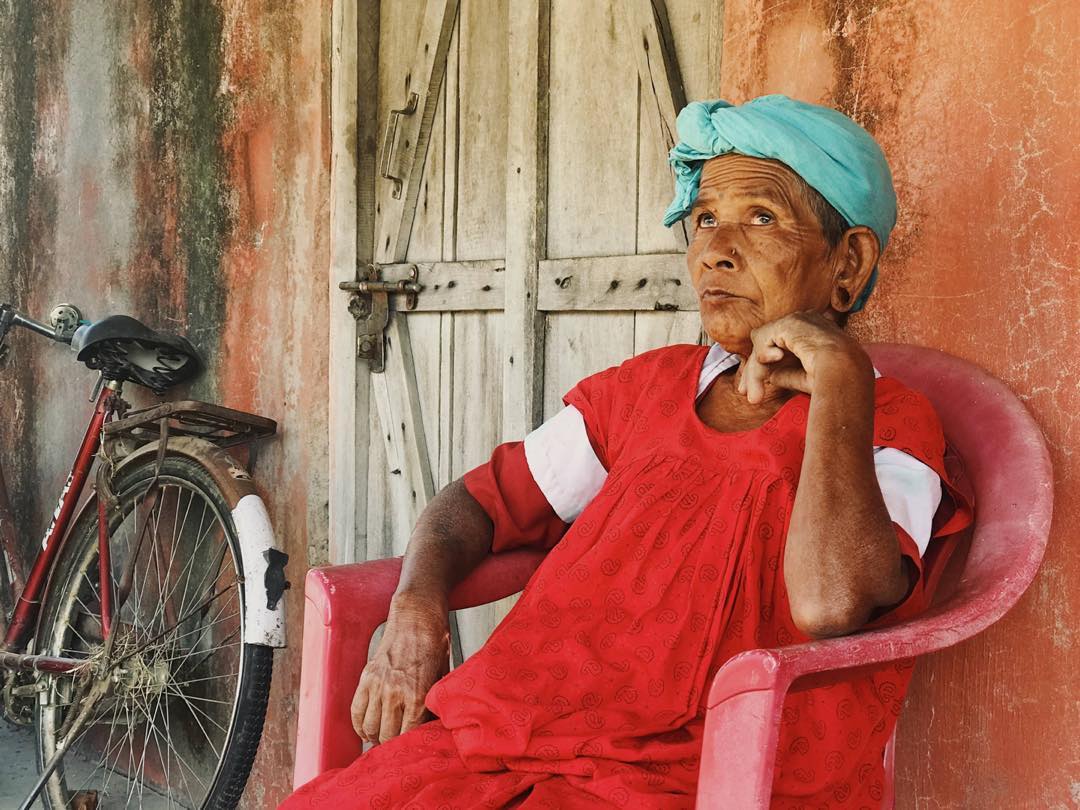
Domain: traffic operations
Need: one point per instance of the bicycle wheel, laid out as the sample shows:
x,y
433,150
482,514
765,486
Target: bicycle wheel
x,y
180,720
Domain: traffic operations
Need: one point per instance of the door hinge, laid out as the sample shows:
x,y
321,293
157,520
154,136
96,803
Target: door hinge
x,y
369,304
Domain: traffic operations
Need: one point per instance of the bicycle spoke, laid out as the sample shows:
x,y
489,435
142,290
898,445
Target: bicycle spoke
x,y
164,760
109,749
194,773
202,629
207,678
195,709
172,551
163,633
181,760
185,574
203,582
155,556
224,645
150,520
174,659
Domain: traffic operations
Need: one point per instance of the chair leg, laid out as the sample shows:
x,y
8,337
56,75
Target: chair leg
x,y
739,751
888,801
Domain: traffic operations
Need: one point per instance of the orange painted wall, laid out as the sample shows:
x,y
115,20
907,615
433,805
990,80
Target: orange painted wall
x,y
975,104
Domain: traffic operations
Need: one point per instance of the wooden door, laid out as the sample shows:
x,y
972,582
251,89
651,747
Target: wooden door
x,y
533,177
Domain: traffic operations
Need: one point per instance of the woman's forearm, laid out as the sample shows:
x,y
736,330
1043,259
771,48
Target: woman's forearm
x,y
452,535
842,558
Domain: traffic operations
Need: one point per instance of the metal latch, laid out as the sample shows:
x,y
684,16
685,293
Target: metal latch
x,y
369,304
390,143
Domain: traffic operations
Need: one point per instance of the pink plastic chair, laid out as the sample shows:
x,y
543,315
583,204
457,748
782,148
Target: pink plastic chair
x,y
1006,465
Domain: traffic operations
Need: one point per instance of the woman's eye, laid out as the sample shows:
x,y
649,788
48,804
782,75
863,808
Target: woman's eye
x,y
706,221
762,218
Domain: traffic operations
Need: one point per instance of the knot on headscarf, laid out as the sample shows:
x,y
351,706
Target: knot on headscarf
x,y
834,155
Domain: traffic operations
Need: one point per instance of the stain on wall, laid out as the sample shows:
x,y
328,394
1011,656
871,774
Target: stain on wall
x,y
169,159
28,66
972,102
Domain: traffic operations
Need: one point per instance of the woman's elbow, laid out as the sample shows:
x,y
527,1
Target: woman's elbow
x,y
838,617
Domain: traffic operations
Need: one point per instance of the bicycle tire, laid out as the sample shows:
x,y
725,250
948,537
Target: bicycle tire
x,y
80,557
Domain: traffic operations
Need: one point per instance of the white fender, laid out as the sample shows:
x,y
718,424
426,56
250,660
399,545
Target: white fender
x,y
262,625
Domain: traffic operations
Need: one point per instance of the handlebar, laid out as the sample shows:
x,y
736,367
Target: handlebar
x,y
10,317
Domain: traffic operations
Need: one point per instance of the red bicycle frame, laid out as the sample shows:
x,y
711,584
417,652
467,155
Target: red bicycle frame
x,y
24,617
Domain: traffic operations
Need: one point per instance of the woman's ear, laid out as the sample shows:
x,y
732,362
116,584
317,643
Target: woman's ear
x,y
856,257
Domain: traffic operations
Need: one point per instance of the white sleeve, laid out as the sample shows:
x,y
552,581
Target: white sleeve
x,y
912,492
564,464
569,474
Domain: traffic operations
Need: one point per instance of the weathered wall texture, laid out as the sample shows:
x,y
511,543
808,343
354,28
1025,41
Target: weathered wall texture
x,y
169,159
974,103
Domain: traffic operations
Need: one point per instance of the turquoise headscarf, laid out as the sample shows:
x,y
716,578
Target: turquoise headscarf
x,y
833,154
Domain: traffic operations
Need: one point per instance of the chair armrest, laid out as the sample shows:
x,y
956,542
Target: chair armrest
x,y
742,724
343,607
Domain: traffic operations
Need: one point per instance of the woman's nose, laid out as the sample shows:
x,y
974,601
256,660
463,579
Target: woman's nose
x,y
721,251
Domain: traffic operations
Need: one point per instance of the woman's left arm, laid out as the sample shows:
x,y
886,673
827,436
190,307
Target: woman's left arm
x,y
842,559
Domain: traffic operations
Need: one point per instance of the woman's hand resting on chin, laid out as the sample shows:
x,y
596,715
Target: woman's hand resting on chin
x,y
801,352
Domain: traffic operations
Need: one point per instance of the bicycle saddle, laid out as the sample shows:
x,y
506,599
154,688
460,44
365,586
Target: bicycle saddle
x,y
123,349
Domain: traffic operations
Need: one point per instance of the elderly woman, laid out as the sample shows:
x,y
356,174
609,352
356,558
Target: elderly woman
x,y
698,502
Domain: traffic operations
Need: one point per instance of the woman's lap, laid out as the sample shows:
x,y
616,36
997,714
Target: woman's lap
x,y
421,770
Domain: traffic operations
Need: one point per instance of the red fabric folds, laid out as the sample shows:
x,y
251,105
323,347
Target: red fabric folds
x,y
589,693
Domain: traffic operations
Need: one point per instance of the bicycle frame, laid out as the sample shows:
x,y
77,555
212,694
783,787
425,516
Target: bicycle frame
x,y
24,617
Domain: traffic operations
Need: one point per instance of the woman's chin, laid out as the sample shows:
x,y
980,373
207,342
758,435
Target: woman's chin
x,y
734,338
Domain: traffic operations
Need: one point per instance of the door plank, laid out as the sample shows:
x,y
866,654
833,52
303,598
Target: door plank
x,y
401,418
662,93
526,217
480,235
449,254
476,419
424,78
592,179
652,281
407,449
658,68
399,29
580,284
353,88
452,286
692,27
579,345
592,131
483,96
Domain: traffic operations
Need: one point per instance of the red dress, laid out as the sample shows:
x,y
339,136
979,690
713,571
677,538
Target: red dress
x,y
589,693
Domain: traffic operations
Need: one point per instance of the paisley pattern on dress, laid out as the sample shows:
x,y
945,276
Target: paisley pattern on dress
x,y
589,693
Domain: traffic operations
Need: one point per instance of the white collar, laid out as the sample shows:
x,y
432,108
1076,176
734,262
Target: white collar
x,y
717,361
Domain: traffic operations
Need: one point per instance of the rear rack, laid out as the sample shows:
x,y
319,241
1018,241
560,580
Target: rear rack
x,y
221,426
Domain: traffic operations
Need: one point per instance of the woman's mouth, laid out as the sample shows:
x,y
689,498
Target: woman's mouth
x,y
717,294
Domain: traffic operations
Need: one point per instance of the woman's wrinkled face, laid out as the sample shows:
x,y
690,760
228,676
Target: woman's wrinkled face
x,y
757,251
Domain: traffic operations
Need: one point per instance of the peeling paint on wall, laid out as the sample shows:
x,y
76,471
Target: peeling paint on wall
x,y
168,159
33,54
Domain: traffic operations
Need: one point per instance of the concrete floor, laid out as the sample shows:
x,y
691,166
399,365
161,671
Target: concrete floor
x,y
19,770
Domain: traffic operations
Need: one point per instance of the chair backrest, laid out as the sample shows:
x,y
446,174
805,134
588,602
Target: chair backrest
x,y
1007,465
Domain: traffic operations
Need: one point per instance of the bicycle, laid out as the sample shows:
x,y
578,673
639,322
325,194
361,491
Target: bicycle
x,y
140,642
